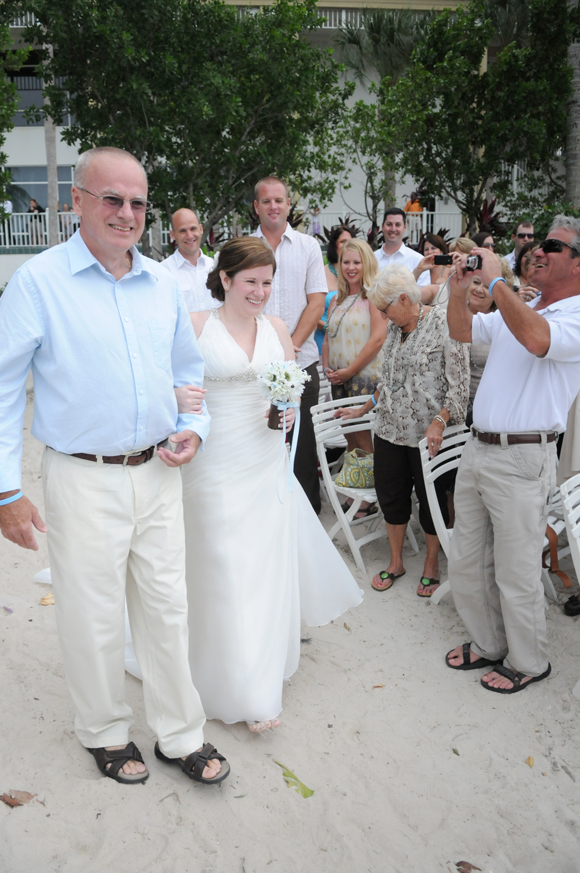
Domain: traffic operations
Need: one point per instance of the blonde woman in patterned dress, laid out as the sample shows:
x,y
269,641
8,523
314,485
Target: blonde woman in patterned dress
x,y
424,387
355,333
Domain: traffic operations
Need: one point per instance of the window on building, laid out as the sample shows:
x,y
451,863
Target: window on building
x,y
31,183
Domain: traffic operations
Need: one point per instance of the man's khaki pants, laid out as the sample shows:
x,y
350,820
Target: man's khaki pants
x,y
116,531
502,496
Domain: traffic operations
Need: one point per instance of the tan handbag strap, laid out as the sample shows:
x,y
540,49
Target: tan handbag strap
x,y
553,566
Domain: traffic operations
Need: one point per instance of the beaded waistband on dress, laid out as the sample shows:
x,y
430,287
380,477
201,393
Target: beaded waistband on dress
x,y
247,376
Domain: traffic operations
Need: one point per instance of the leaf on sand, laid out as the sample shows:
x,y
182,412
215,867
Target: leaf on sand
x,y
347,627
8,610
466,867
378,686
17,798
529,761
293,781
455,752
48,600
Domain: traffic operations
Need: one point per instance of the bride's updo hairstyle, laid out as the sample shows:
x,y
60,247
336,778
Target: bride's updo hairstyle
x,y
239,254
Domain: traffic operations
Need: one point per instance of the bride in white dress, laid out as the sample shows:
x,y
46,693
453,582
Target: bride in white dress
x,y
258,559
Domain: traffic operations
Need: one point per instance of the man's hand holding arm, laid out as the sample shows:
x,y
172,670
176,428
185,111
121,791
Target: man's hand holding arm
x,y
187,366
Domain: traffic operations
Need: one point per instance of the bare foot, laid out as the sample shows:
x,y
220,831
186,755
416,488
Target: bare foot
x,y
258,726
495,680
455,657
211,770
131,768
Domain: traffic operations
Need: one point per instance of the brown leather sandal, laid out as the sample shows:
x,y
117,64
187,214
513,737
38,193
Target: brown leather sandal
x,y
117,758
195,764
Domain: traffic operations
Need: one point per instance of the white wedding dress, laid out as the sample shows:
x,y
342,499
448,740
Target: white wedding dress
x,y
258,559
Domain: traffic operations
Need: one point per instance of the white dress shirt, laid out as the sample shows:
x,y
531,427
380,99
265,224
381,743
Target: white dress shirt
x,y
105,356
407,257
299,272
191,280
511,259
518,391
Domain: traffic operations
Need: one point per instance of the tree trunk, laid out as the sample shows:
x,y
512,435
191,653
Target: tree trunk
x,y
52,177
573,140
156,244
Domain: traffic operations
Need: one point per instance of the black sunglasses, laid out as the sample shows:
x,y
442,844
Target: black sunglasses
x,y
117,202
525,235
554,246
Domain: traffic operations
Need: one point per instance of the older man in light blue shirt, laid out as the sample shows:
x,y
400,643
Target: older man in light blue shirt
x,y
108,338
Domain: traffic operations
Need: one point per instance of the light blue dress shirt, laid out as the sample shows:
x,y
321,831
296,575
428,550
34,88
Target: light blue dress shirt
x,y
105,356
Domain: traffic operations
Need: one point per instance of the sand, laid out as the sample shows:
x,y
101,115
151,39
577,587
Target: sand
x,y
414,767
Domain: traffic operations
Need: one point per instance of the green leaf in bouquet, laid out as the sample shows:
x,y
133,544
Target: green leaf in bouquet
x,y
293,781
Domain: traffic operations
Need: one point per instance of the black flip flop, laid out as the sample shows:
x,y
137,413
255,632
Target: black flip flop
x,y
516,678
195,764
468,664
426,583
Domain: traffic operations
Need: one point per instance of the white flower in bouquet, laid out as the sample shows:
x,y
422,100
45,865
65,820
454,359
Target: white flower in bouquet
x,y
283,381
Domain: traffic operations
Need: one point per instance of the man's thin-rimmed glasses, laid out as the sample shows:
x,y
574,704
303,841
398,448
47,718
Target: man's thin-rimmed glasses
x,y
113,202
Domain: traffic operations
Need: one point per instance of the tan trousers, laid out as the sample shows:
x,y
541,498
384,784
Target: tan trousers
x,y
501,509
117,531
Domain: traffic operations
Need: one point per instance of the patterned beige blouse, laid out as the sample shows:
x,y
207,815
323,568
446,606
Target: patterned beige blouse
x,y
425,373
348,331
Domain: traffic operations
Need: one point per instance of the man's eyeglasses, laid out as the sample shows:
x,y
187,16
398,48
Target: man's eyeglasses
x,y
113,202
525,235
554,246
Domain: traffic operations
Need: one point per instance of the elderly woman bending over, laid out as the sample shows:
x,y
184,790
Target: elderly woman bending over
x,y
424,386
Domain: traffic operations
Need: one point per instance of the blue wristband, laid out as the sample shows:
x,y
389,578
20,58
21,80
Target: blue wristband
x,y
14,497
373,400
492,283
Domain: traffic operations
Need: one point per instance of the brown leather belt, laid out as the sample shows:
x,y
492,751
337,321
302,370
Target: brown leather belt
x,y
494,439
126,460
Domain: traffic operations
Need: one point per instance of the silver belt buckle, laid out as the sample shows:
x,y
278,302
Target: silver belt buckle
x,y
132,455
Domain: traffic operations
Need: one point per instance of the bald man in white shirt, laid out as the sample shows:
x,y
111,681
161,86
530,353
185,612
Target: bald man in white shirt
x,y
188,263
507,473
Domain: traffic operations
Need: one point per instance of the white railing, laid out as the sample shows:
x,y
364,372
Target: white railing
x,y
23,229
336,18
30,230
25,20
430,222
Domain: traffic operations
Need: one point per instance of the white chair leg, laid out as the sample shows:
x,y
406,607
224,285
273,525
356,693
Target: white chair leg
x,y
412,539
549,589
438,595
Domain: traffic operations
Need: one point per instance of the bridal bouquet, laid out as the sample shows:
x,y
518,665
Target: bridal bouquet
x,y
282,383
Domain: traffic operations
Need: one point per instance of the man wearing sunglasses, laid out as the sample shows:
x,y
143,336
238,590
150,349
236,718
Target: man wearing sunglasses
x,y
507,472
108,337
523,232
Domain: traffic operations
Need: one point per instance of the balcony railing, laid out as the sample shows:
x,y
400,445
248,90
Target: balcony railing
x,y
25,20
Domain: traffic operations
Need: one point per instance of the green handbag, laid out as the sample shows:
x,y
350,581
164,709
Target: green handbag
x,y
357,470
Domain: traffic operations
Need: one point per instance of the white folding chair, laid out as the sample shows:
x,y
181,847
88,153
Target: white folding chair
x,y
570,493
327,430
446,459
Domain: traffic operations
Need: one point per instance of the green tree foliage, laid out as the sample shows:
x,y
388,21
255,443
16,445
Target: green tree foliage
x,y
209,97
12,60
460,126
